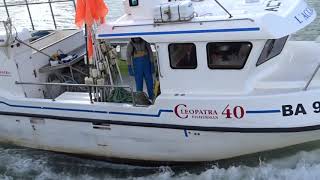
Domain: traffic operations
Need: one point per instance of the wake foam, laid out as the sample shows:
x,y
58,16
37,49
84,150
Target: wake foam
x,y
23,163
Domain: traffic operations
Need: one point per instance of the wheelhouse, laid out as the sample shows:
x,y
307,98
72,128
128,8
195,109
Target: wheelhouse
x,y
211,53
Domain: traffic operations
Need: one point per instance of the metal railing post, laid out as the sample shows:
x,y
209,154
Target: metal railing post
x,y
133,98
74,4
53,18
27,5
5,5
312,77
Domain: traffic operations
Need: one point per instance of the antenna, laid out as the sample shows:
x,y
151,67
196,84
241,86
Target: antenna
x,y
230,15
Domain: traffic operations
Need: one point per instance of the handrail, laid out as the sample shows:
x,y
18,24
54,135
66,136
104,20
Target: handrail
x,y
184,22
27,5
52,14
312,77
32,3
5,5
81,85
76,85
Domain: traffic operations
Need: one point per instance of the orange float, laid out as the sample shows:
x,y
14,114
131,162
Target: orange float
x,y
88,12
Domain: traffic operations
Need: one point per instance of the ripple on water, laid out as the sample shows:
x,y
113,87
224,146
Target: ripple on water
x,y
289,163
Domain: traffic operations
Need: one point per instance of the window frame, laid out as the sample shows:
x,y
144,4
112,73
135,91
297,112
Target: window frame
x,y
277,54
196,66
133,5
228,68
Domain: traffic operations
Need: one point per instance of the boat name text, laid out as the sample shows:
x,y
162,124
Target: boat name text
x,y
305,15
183,112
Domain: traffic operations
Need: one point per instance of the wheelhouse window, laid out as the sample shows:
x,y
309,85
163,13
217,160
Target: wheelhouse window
x,y
134,2
183,56
228,55
272,48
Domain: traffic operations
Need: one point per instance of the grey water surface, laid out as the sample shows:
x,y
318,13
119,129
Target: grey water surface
x,y
294,163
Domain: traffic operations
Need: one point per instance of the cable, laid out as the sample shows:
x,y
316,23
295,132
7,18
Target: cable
x,y
20,41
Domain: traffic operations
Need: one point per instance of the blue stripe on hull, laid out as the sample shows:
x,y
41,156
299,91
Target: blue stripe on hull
x,y
51,108
181,32
122,113
89,111
263,112
145,115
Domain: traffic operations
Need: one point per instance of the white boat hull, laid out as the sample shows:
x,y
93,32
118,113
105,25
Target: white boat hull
x,y
206,125
148,139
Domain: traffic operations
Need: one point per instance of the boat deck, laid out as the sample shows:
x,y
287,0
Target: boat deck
x,y
74,97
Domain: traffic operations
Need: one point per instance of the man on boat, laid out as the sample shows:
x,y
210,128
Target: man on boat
x,y
140,64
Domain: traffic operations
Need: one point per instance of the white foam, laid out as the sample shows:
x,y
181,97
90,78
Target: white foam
x,y
17,163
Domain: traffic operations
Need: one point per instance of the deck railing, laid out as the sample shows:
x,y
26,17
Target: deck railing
x,y
183,22
27,4
90,87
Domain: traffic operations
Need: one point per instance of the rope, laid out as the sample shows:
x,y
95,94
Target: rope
x,y
8,28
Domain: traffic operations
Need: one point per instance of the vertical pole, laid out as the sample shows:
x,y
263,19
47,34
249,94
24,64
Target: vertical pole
x,y
74,4
88,63
5,5
29,14
133,97
86,43
54,20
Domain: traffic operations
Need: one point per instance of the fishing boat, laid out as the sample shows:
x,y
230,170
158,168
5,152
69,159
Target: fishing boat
x,y
247,87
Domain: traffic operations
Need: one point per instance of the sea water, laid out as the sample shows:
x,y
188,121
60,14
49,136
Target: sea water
x,y
294,163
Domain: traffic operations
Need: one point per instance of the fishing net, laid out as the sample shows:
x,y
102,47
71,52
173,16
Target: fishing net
x,y
121,95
